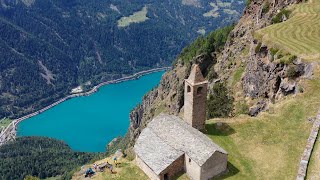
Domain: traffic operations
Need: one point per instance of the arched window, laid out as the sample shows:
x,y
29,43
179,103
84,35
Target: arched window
x,y
188,89
199,90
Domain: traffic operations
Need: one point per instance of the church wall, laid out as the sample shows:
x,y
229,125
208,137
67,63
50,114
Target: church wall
x,y
146,169
175,168
192,169
214,166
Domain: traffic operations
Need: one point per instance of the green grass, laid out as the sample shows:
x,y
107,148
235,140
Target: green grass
x,y
5,122
299,35
314,165
136,17
237,75
127,169
268,146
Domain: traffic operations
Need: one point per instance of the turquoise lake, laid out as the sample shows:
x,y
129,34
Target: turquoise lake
x,y
88,123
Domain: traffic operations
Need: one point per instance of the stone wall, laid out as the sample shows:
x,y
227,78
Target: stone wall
x,y
214,166
175,168
302,171
195,105
192,169
146,169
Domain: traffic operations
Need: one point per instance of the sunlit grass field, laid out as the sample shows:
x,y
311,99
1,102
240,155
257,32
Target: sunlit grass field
x,y
300,34
136,17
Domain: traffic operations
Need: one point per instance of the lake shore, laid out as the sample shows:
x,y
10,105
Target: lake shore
x,y
11,131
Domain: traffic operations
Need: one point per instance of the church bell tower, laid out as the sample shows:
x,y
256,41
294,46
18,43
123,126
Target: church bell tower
x,y
195,96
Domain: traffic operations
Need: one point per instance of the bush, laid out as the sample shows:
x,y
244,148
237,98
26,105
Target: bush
x,y
220,103
242,107
273,51
292,73
248,2
266,7
258,47
288,59
278,17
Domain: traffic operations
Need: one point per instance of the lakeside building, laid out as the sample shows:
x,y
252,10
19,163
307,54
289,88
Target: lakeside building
x,y
170,145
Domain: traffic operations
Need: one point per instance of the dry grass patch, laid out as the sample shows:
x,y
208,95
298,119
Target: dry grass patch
x,y
125,170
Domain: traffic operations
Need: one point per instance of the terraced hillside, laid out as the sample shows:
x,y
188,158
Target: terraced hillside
x,y
300,34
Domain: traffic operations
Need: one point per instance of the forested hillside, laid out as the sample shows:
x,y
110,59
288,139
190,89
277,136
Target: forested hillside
x,y
49,47
40,157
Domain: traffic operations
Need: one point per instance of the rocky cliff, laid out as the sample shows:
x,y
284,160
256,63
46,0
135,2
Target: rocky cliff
x,y
255,74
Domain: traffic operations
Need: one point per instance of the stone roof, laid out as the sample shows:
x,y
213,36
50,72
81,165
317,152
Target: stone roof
x,y
196,75
155,152
168,137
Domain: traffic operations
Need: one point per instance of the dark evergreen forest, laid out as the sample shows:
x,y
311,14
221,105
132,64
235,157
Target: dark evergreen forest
x,y
40,157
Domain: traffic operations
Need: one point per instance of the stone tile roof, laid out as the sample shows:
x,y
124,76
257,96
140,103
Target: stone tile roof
x,y
196,75
155,152
167,137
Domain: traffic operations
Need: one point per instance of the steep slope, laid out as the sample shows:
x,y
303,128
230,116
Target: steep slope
x,y
240,65
49,47
258,77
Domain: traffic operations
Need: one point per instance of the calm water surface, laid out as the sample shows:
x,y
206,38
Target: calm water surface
x,y
89,123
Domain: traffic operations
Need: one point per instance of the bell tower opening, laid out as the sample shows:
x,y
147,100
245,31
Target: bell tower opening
x,y
199,90
188,89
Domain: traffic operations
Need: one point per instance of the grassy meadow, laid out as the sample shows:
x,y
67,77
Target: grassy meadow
x,y
125,170
269,146
314,166
300,34
136,17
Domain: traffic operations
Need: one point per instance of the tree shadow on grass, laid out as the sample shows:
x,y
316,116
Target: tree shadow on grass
x,y
219,129
231,171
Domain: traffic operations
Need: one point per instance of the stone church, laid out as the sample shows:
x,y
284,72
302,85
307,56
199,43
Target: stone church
x,y
169,145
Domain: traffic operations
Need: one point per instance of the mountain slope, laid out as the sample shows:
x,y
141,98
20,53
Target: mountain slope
x,y
274,93
49,47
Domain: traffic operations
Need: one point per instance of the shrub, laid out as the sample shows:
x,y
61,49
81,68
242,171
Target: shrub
x,y
292,73
266,7
220,103
278,17
273,51
242,107
288,59
258,47
248,2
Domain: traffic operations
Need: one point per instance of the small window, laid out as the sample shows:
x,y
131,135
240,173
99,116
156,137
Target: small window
x,y
188,89
199,90
189,160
